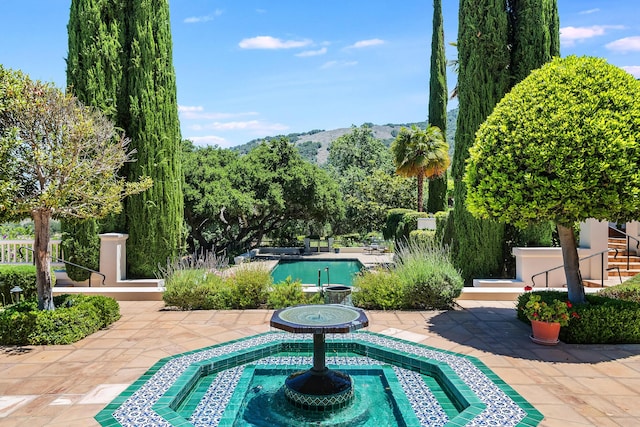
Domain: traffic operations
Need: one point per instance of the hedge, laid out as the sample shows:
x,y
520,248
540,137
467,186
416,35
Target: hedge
x,y
74,318
22,275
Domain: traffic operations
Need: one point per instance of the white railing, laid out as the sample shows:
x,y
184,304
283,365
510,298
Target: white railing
x,y
9,251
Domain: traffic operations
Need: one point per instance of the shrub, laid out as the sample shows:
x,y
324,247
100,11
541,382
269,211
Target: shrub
x,y
377,290
627,291
286,294
74,318
196,289
249,284
601,320
429,279
23,276
442,220
422,237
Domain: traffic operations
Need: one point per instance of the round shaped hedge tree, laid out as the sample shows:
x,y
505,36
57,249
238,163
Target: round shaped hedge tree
x,y
563,145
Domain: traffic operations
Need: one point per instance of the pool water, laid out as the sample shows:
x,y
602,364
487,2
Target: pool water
x,y
340,272
265,404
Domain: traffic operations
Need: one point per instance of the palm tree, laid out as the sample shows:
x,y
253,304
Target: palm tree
x,y
420,153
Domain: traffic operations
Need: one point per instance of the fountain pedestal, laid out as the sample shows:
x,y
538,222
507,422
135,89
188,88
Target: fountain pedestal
x,y
319,388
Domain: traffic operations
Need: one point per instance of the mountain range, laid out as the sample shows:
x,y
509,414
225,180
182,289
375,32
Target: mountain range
x,y
314,145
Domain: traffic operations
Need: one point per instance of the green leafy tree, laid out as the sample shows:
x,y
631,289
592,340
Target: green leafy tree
x,y
233,201
60,159
359,149
562,146
94,76
420,153
437,194
367,206
362,165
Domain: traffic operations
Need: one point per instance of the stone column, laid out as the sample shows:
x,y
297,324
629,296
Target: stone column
x,y
594,235
633,230
113,257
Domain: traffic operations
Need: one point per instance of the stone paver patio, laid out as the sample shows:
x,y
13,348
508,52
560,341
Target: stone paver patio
x,y
571,385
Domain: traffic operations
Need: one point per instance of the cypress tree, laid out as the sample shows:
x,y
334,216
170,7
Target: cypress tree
x,y
536,35
483,78
437,198
120,60
150,118
94,75
499,43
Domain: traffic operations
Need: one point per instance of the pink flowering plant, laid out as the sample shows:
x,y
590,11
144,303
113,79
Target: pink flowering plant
x,y
555,311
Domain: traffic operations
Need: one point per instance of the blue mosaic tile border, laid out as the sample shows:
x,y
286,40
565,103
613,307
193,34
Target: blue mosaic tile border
x,y
423,402
493,402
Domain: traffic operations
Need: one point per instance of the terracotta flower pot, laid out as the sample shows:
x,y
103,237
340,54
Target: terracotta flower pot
x,y
545,333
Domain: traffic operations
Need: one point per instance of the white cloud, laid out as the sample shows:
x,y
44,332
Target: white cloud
x,y
198,113
209,140
334,64
366,43
570,35
268,42
588,12
249,125
189,108
634,70
627,44
197,19
308,53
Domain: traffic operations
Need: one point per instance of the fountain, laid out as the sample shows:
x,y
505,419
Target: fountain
x,y
264,380
319,388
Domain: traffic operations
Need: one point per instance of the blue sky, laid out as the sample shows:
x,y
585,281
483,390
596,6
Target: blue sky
x,y
248,69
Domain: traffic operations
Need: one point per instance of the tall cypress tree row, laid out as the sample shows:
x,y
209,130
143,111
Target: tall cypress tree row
x,y
94,75
483,78
120,60
499,43
150,118
437,198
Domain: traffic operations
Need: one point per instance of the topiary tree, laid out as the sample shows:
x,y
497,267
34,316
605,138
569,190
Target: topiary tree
x,y
563,146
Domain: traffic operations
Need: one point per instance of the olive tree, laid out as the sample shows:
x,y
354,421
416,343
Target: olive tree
x,y
562,145
59,159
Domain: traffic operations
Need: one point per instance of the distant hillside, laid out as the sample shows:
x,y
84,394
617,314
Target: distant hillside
x,y
314,145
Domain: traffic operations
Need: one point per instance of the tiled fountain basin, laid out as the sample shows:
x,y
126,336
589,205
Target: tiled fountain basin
x,y
431,387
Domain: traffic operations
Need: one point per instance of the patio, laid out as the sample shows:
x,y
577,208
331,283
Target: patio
x,y
68,385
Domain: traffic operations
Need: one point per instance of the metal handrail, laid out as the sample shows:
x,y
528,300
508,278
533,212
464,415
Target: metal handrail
x,y
66,262
601,253
628,236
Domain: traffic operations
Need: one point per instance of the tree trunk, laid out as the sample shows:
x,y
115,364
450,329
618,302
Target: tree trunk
x,y
42,255
420,187
571,264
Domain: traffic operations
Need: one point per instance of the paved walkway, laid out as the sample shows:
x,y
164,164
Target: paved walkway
x,y
571,385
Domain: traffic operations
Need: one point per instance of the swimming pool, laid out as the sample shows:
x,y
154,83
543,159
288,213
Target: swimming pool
x,y
332,272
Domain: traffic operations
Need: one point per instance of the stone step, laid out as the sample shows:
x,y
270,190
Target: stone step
x,y
498,283
119,293
485,293
595,283
625,273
